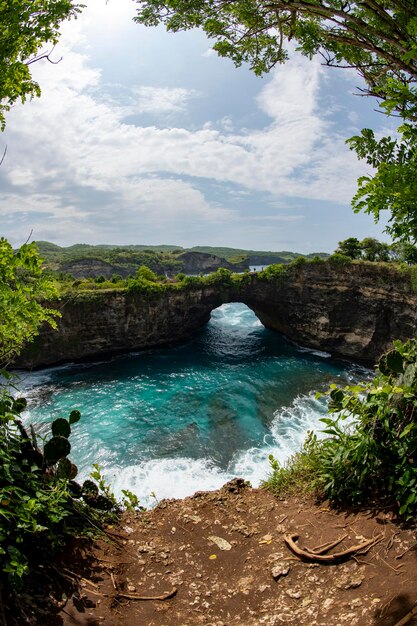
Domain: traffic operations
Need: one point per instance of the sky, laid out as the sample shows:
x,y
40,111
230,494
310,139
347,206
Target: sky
x,y
148,137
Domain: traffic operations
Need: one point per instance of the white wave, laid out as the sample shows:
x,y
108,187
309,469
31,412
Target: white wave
x,y
181,477
167,478
288,432
320,353
235,315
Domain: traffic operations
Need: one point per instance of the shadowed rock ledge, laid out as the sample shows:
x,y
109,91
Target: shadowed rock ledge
x,y
354,311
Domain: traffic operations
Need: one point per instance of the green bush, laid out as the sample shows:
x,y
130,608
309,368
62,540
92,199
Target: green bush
x,y
41,504
144,287
295,477
339,259
300,260
221,276
146,273
272,272
370,452
317,260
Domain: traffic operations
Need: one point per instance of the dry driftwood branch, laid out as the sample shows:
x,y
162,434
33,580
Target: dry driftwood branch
x,y
326,547
329,558
165,596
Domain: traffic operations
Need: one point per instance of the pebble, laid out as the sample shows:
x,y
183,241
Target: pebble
x,y
279,570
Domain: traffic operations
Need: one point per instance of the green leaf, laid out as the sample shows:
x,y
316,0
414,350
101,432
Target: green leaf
x,y
74,417
56,449
395,362
61,428
407,430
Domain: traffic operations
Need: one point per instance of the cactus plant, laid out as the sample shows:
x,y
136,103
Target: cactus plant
x,y
61,427
55,449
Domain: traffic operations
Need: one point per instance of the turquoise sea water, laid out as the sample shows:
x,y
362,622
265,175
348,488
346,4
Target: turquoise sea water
x,y
190,417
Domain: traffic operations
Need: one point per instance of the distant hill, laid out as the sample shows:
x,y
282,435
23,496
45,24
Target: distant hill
x,y
255,257
85,260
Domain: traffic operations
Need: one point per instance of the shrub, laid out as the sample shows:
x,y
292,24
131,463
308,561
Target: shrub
x,y
272,272
339,259
192,281
300,260
42,505
144,287
146,273
221,276
370,452
317,260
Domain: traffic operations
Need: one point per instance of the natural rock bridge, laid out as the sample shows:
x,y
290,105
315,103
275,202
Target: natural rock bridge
x,y
353,311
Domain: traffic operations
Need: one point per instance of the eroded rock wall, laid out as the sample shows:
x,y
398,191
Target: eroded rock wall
x,y
355,311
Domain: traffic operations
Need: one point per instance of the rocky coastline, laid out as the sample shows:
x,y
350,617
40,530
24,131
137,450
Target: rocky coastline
x,y
353,311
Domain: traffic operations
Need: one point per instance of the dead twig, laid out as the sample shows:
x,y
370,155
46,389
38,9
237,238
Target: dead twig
x,y
391,541
361,562
99,558
112,533
113,581
96,593
345,525
4,155
330,558
165,596
397,569
400,556
84,580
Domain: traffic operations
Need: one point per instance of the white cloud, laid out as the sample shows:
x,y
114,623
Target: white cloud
x,y
75,142
150,99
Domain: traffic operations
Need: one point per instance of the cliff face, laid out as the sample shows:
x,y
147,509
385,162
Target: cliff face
x,y
90,268
201,262
354,311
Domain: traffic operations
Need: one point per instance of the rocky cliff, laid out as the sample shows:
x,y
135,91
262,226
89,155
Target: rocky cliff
x,y
201,262
188,263
354,311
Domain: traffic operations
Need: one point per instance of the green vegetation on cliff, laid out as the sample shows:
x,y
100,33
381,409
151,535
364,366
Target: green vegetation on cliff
x,y
369,453
22,284
148,283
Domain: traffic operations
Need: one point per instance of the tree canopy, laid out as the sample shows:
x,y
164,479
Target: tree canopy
x,y
377,38
25,28
393,187
22,285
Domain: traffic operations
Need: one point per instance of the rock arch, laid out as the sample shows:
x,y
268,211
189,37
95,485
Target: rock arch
x,y
353,311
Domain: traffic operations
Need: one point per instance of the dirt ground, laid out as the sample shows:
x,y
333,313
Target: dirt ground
x,y
219,559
